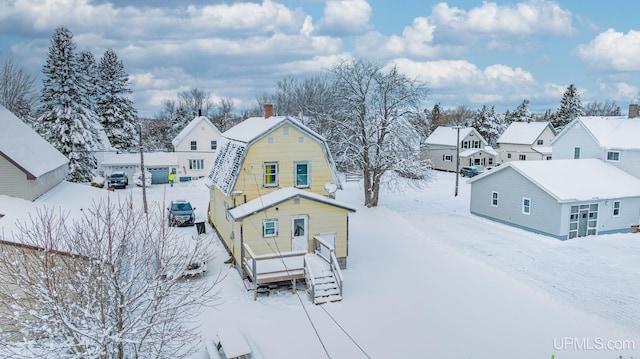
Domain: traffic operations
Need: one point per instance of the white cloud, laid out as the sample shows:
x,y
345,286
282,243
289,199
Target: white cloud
x,y
345,18
612,50
530,18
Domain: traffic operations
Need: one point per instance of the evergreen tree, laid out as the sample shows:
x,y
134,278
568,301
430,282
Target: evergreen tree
x,y
489,124
570,108
66,121
116,111
90,84
480,122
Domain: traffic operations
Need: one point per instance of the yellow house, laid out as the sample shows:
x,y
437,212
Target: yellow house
x,y
272,198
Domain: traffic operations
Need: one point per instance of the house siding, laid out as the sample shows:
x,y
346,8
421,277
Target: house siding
x,y
545,216
202,134
14,181
286,150
322,218
575,136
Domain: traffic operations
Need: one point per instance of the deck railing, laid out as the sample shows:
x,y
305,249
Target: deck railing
x,y
330,258
270,268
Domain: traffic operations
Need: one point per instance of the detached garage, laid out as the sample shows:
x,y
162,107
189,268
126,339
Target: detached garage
x,y
157,163
29,165
559,198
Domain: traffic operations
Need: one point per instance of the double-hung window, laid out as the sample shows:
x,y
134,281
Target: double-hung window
x,y
302,174
269,227
526,205
616,209
494,199
194,146
576,153
270,174
214,144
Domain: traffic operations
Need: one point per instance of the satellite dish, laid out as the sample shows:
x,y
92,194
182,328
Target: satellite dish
x,y
331,188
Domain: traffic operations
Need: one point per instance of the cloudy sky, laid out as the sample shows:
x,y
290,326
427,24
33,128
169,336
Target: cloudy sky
x,y
470,53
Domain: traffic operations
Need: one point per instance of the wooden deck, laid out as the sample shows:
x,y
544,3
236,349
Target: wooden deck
x,y
272,268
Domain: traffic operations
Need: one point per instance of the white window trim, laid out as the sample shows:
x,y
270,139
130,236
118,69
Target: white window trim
x,y
264,175
497,199
614,160
295,174
613,208
264,228
524,207
192,161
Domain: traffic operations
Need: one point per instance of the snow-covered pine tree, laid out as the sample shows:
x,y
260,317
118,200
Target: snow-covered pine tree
x,y
479,121
66,122
570,108
117,113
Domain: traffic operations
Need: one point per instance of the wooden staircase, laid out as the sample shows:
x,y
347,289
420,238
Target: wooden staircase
x,y
323,275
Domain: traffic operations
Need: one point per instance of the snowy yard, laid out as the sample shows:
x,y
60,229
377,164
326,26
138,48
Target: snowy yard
x,y
426,279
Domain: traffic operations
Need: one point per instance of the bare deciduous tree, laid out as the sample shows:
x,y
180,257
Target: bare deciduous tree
x,y
376,109
102,285
17,91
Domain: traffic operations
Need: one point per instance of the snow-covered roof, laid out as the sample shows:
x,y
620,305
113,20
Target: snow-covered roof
x,y
611,132
234,144
150,159
23,147
545,150
447,136
574,180
190,127
274,198
472,151
524,133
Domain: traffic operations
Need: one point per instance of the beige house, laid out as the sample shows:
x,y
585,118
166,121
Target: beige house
x,y
273,204
29,165
473,150
195,148
525,141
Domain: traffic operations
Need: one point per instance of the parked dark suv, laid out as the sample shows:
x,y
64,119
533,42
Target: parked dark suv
x,y
181,213
118,180
470,171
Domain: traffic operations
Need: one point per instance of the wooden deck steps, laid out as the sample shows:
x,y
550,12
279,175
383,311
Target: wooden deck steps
x,y
322,281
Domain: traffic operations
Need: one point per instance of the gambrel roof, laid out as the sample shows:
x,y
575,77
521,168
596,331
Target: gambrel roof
x,y
235,142
25,149
447,136
274,198
524,133
609,132
574,180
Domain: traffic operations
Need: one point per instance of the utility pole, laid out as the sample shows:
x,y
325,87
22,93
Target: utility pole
x,y
144,179
457,157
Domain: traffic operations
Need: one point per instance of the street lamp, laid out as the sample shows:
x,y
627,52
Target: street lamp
x,y
457,156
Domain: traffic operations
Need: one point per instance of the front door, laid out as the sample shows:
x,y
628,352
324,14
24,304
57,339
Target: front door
x,y
583,222
299,236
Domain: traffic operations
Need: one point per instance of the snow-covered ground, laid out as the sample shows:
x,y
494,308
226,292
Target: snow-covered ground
x,y
426,279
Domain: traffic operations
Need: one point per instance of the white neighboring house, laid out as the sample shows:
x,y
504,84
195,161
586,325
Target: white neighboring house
x,y
559,198
525,141
29,165
195,147
159,164
473,149
615,140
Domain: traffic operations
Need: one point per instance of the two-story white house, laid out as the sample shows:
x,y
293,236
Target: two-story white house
x,y
525,141
611,139
442,145
195,147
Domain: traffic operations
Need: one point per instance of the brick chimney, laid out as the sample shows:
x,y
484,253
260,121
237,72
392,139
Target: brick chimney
x,y
633,109
268,110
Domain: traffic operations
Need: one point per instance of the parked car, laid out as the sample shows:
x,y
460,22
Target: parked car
x,y
181,213
470,171
118,180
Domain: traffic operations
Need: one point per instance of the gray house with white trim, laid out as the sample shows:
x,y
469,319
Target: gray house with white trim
x,y
611,139
559,198
441,146
29,165
525,141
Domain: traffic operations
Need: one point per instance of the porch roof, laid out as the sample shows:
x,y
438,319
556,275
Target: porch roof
x,y
274,198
